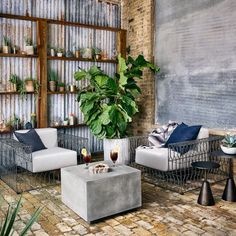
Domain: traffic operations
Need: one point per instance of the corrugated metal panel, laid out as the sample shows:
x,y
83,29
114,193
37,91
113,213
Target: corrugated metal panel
x,y
83,11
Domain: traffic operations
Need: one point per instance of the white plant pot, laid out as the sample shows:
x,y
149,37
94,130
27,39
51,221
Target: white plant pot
x,y
228,150
29,50
59,54
52,52
6,49
124,149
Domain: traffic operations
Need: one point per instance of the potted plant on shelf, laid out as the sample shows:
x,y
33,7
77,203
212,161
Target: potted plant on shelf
x,y
29,84
97,53
29,48
108,104
61,87
87,53
60,52
52,51
53,79
66,121
77,52
15,81
228,144
104,55
6,45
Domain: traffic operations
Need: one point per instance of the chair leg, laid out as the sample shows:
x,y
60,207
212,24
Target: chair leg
x,y
205,197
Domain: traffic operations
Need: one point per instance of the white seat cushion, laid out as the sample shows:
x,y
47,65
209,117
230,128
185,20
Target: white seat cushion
x,y
52,159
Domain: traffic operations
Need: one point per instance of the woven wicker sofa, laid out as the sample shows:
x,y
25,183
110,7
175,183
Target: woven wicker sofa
x,y
25,170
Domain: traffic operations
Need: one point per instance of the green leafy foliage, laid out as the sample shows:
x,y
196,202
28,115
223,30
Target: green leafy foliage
x,y
108,104
6,227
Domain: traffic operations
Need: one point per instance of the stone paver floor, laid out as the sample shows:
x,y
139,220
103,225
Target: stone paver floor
x,y
163,213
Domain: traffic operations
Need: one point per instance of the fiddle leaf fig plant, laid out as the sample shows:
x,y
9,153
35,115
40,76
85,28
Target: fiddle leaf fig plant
x,y
108,103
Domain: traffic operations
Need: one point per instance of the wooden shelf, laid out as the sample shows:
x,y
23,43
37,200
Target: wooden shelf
x,y
9,93
17,55
59,22
6,132
67,126
81,59
66,92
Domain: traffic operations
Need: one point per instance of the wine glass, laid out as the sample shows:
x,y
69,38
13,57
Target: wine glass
x,y
114,156
87,159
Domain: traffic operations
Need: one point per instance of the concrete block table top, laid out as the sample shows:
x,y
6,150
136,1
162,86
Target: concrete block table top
x,y
95,196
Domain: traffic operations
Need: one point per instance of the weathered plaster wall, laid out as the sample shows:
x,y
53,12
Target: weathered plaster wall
x,y
195,48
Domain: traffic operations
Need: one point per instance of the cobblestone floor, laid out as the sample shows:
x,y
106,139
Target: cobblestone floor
x,y
163,213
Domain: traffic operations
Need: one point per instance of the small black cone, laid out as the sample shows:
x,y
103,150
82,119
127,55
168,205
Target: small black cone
x,y
229,191
205,197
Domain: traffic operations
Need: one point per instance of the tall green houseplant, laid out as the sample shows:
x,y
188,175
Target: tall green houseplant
x,y
108,104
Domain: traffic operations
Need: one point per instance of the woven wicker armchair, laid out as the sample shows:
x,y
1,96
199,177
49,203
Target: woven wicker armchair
x,y
174,171
25,170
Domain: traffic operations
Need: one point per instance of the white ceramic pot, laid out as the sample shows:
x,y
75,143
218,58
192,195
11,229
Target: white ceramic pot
x,y
228,150
124,149
29,50
65,122
59,54
52,52
6,49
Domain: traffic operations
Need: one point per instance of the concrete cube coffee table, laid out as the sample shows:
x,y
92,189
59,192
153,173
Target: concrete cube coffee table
x,y
95,196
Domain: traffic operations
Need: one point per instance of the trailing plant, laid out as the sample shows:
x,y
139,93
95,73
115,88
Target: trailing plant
x,y
108,104
36,87
52,76
6,228
229,141
21,89
6,41
14,79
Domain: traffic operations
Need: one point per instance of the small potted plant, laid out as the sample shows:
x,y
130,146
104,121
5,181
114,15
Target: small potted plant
x,y
14,80
87,53
61,87
97,53
53,79
66,121
29,84
228,144
60,52
6,45
104,55
72,119
77,52
29,48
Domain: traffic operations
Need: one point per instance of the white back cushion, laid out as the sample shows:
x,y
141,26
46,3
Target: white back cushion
x,y
47,135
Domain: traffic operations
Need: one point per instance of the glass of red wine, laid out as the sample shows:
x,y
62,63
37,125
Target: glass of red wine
x,y
114,157
87,159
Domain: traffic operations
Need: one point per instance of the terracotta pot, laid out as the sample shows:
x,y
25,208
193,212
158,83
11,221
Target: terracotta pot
x,y
29,86
52,86
29,50
6,49
61,89
77,54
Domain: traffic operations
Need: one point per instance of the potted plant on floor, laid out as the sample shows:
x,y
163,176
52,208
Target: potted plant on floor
x,y
53,79
6,45
29,48
228,144
108,104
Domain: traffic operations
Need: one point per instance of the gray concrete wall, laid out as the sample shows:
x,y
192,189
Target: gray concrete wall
x,y
195,47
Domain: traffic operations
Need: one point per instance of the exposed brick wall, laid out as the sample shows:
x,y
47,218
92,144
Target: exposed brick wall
x,y
137,19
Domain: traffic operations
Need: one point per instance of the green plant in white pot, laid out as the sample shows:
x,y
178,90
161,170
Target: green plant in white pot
x,y
108,104
228,144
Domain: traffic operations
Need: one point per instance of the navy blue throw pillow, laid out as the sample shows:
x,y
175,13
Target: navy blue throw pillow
x,y
183,133
31,138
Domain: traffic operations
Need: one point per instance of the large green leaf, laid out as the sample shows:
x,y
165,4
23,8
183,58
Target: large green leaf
x,y
79,75
96,126
105,117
